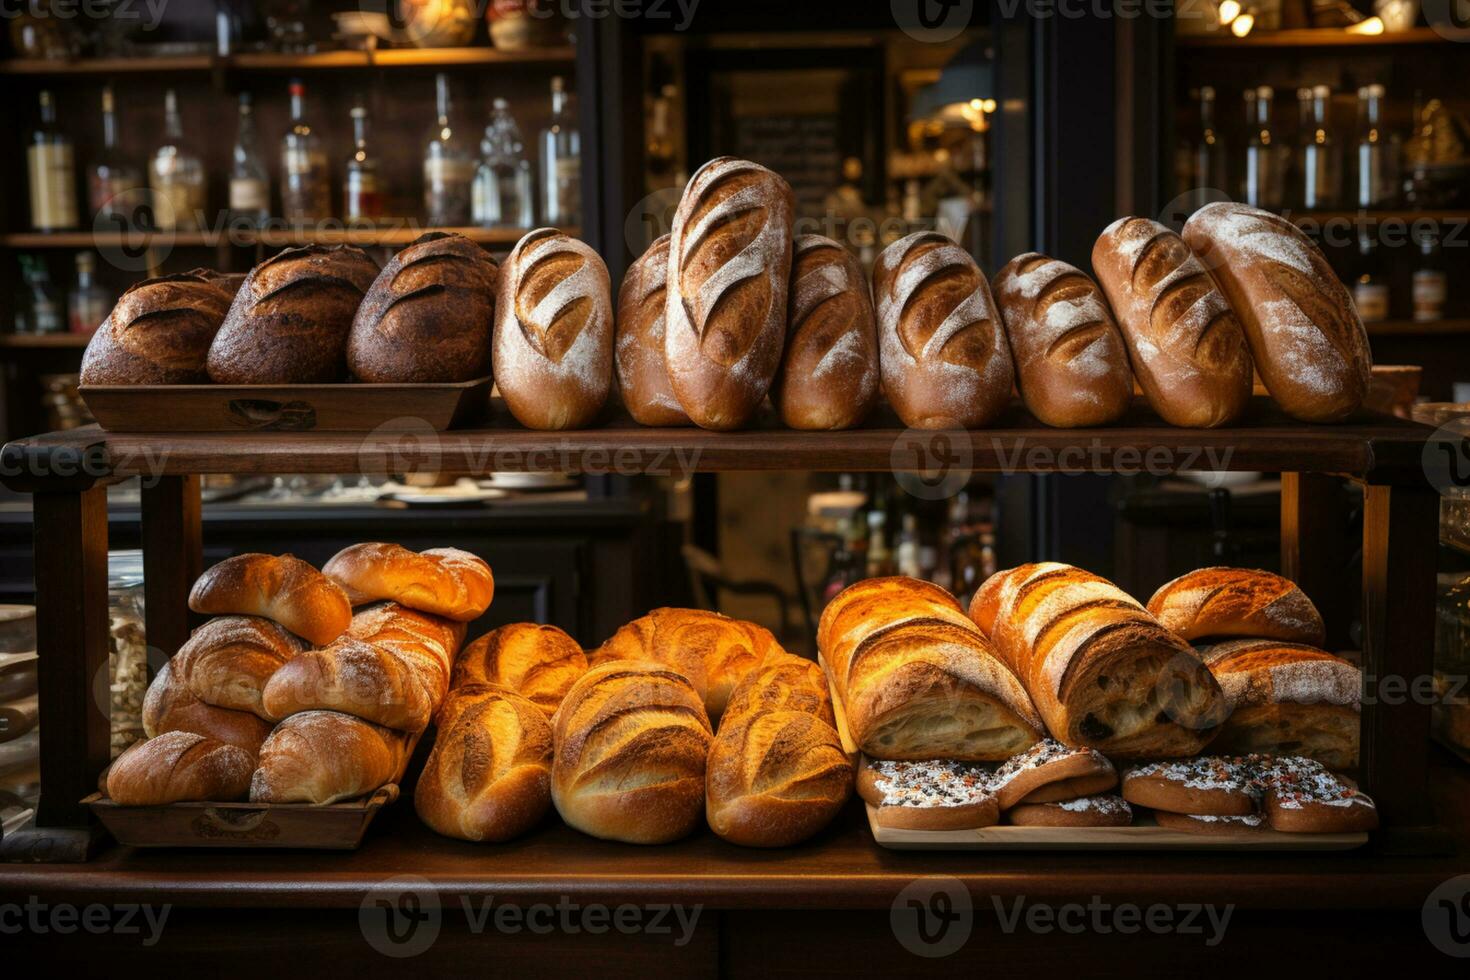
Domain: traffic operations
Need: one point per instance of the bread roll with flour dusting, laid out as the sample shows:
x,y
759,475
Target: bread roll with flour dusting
x,y
941,348
552,344
643,377
729,266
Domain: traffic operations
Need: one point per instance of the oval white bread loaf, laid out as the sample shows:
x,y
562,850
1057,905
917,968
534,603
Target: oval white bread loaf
x,y
228,661
159,332
1304,332
775,778
170,706
631,742
942,350
917,679
829,375
1071,362
541,663
1220,602
643,377
1187,347
282,588
427,316
729,268
322,757
488,777
442,581
177,767
553,337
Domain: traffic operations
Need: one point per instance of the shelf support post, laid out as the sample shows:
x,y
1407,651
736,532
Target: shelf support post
x,y
173,558
1314,547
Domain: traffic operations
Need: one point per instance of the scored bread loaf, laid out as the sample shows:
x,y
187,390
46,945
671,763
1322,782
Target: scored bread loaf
x,y
177,767
711,650
917,679
1102,671
282,588
228,661
1188,350
631,741
539,662
829,375
774,778
729,268
782,682
488,777
1219,602
442,581
1303,329
942,350
1071,362
428,643
159,332
169,706
553,336
643,378
322,757
290,320
427,316
1287,699
359,679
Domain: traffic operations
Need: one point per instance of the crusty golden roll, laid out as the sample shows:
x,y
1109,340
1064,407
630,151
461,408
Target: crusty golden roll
x,y
782,682
1102,671
228,660
537,661
322,757
359,679
179,766
775,778
1287,699
1220,602
917,679
631,741
489,775
170,706
443,581
426,642
279,587
712,650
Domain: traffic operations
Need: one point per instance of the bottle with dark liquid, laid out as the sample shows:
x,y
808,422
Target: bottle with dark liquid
x,y
362,193
1370,290
1431,284
111,177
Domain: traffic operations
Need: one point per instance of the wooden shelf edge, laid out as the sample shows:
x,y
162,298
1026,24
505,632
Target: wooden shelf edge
x,y
271,61
1317,37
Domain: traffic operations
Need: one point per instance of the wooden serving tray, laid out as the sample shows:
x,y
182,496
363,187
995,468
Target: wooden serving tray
x,y
1144,835
335,827
346,407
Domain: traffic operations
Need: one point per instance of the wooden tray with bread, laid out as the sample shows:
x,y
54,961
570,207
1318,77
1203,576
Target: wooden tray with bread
x,y
334,827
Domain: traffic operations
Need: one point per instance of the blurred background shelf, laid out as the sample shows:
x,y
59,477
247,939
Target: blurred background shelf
x,y
278,238
1313,38
1417,328
22,341
271,61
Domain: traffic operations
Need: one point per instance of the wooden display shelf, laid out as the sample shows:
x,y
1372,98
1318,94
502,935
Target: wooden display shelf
x,y
395,235
1312,38
271,61
43,341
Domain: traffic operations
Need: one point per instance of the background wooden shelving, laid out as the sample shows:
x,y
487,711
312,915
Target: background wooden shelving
x,y
270,61
389,236
1313,38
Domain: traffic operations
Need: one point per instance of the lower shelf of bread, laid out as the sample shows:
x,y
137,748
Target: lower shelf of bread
x,y
1141,836
335,827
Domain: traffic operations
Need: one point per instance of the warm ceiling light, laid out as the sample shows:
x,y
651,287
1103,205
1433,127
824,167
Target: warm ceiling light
x,y
1373,25
1229,10
1241,26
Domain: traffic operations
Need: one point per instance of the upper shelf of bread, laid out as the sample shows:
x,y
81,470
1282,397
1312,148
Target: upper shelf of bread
x,y
386,58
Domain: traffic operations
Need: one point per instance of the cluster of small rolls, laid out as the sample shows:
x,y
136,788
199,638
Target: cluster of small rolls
x,y
306,686
1056,673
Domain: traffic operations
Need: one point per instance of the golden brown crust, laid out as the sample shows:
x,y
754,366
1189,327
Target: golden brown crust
x,y
1236,826
323,757
1218,602
643,377
970,816
170,706
1071,361
159,332
427,316
177,767
1085,811
782,682
228,661
442,581
358,679
290,320
729,271
829,374
536,661
282,588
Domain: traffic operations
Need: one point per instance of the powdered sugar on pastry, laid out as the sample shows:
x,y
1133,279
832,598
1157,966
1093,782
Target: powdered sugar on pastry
x,y
1107,804
1044,752
931,783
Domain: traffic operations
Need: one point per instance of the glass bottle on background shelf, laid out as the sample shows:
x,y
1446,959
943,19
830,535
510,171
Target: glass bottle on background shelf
x,y
880,558
849,559
1207,161
449,167
39,309
1375,167
88,303
250,187
659,155
176,175
51,167
561,163
907,551
306,195
1370,289
1318,160
110,177
362,191
502,193
1263,182
1431,284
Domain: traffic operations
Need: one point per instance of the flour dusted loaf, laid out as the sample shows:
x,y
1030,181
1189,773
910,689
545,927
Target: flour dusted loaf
x,y
282,588
829,375
638,351
228,661
1303,328
941,346
553,337
170,706
1237,602
729,270
427,316
323,757
159,332
179,766
1071,361
1188,350
536,661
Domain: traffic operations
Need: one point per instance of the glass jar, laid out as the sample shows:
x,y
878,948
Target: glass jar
x,y
127,653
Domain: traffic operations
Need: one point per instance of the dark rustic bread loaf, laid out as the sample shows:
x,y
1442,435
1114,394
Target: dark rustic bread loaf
x,y
159,332
427,317
290,320
643,376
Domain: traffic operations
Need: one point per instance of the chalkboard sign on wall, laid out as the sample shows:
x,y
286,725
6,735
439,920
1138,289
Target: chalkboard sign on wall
x,y
803,149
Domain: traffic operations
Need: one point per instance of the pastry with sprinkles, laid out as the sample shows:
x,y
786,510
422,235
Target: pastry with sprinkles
x,y
938,794
1085,811
1049,771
